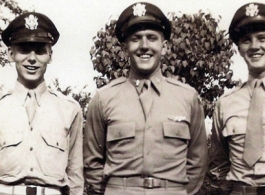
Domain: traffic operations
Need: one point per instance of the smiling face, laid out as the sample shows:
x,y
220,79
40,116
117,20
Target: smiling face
x,y
252,48
145,48
31,62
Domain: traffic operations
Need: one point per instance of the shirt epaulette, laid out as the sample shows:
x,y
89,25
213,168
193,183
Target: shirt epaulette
x,y
117,81
233,90
178,83
113,83
61,95
4,93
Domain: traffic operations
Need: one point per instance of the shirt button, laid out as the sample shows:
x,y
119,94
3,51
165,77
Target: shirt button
x,y
31,169
57,144
31,128
31,148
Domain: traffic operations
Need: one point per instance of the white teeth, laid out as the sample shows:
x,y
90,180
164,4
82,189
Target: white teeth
x,y
256,55
145,56
31,67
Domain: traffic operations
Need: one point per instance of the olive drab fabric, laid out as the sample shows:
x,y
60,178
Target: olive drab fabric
x,y
146,97
254,134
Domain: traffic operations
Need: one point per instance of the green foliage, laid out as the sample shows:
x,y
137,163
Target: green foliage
x,y
8,9
198,54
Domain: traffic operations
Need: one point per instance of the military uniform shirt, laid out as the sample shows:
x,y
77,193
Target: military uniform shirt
x,y
228,138
49,150
119,140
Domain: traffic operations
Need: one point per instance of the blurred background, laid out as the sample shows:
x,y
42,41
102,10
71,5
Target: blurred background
x,y
79,21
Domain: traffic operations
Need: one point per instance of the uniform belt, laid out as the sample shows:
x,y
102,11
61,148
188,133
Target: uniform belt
x,y
147,182
29,190
245,189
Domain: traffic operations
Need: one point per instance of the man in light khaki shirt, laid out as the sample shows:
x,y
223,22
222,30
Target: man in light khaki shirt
x,y
40,129
237,152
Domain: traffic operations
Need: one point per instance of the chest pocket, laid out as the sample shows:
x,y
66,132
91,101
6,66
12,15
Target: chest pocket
x,y
56,141
235,131
121,140
176,137
10,149
53,146
10,139
234,127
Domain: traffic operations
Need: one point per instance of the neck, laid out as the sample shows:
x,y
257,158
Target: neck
x,y
137,75
31,85
257,75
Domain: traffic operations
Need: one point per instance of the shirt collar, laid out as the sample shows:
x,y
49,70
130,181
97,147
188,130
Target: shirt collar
x,y
22,92
251,82
138,81
39,91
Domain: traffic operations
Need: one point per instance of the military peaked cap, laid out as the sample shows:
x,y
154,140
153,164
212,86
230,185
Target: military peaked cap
x,y
30,27
139,16
248,18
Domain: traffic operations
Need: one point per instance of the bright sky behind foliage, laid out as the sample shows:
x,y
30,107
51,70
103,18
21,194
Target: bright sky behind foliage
x,y
79,20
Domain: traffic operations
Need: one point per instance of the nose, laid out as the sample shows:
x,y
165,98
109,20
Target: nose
x,y
144,43
255,44
32,57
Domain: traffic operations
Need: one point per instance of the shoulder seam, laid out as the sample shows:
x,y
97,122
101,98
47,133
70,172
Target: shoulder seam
x,y
5,93
61,95
232,91
176,82
118,81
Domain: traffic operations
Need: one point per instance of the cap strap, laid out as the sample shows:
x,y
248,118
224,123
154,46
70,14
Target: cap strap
x,y
248,20
19,35
146,18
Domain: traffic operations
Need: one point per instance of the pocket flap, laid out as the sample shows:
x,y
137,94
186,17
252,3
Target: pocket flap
x,y
176,130
54,140
121,131
234,127
10,139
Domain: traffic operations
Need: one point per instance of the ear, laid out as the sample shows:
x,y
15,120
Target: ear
x,y
164,48
124,48
239,50
50,54
10,55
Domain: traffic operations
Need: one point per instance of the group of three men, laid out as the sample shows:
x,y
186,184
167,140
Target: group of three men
x,y
144,134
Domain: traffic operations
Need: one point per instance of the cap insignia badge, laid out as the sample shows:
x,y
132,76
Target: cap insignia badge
x,y
137,83
31,22
252,10
139,9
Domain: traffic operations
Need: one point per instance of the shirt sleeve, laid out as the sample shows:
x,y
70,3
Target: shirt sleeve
x,y
94,147
219,163
197,148
75,160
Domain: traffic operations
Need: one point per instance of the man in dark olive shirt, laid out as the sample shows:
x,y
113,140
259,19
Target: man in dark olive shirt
x,y
144,134
237,152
